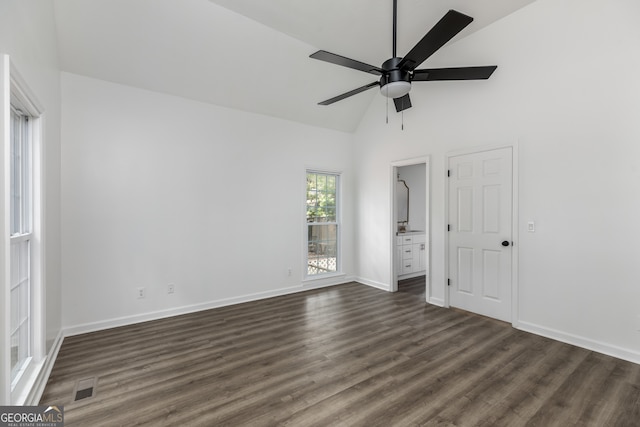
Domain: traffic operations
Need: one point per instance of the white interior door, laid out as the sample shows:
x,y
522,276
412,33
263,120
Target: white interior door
x,y
480,232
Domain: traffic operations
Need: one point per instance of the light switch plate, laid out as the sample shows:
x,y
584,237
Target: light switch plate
x,y
531,227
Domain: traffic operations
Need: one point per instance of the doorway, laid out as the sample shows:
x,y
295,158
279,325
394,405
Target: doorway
x,y
410,243
481,232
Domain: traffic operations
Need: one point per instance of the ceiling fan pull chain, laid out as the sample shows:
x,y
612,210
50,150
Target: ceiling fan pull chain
x,y
387,109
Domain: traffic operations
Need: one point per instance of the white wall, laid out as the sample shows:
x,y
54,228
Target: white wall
x,y
27,35
567,93
159,189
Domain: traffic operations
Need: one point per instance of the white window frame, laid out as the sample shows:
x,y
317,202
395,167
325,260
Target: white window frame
x,y
337,223
21,237
16,93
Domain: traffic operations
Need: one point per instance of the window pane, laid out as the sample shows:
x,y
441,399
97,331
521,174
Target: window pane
x,y
323,249
25,197
311,182
23,347
15,264
24,301
331,199
15,308
20,303
15,172
15,338
331,184
312,198
20,174
330,213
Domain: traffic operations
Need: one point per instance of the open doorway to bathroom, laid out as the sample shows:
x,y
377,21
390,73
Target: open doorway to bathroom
x,y
410,226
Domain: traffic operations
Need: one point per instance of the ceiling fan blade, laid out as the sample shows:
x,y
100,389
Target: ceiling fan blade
x,y
323,55
456,73
402,103
450,25
348,94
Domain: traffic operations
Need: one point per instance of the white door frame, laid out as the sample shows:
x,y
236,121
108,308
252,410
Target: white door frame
x,y
514,225
394,219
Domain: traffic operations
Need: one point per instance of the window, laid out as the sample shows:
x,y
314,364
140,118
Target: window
x,y
21,238
323,223
25,340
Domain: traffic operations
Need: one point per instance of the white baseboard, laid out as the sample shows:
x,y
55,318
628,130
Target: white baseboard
x,y
373,284
436,301
161,314
579,341
35,394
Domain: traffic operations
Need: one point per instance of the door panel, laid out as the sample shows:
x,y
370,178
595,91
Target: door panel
x,y
491,278
465,210
480,219
465,270
491,209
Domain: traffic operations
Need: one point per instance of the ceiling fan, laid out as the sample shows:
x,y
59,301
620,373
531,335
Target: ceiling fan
x,y
397,73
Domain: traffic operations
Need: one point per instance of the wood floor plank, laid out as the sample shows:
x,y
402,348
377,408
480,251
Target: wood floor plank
x,y
478,404
347,355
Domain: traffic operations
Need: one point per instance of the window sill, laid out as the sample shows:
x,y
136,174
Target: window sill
x,y
319,277
26,382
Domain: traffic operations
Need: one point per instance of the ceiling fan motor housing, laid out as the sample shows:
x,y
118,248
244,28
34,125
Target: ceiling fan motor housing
x,y
399,80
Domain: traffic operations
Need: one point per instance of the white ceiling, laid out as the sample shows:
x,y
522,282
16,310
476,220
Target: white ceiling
x,y
251,55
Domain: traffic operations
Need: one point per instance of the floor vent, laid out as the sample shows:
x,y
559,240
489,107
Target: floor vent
x,y
84,389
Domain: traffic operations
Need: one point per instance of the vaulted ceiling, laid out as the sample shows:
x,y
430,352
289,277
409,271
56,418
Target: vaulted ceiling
x,y
251,55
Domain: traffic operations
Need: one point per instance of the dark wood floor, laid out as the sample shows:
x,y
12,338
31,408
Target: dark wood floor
x,y
349,355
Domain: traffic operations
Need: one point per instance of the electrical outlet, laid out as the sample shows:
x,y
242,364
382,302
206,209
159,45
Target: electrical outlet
x,y
289,272
141,293
171,288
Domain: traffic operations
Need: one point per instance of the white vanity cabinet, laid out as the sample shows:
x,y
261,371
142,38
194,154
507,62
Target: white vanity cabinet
x,y
411,254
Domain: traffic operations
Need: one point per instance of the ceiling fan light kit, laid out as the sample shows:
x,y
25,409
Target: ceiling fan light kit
x,y
396,89
397,73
